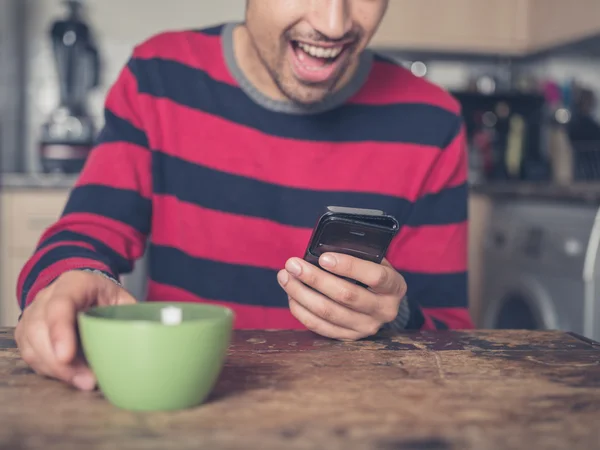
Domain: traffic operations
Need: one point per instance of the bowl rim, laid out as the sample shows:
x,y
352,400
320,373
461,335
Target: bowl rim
x,y
228,314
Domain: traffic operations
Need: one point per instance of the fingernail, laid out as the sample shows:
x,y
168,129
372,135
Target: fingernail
x,y
293,267
83,381
283,277
328,261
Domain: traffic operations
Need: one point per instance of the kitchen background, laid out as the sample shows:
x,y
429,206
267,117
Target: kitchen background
x,y
527,73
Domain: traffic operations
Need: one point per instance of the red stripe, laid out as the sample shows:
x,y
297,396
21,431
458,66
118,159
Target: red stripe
x,y
31,262
56,269
119,165
225,237
197,50
390,83
428,324
455,318
246,317
451,167
122,97
376,167
431,249
123,239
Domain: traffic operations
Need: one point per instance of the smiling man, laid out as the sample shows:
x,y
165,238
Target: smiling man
x,y
222,147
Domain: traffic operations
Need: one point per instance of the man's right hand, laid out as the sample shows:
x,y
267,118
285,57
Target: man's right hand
x,y
46,334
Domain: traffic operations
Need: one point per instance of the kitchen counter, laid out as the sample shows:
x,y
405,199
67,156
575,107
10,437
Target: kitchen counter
x,y
36,181
579,192
484,390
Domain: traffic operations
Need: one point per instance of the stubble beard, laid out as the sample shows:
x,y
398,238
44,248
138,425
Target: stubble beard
x,y
299,93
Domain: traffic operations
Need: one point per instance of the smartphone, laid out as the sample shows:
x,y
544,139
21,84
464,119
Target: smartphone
x,y
362,233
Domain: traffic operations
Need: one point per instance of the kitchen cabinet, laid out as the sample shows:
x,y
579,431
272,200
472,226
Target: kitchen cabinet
x,y
509,27
454,25
554,22
480,208
24,215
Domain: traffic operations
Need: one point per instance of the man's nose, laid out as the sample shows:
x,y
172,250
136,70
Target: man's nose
x,y
331,18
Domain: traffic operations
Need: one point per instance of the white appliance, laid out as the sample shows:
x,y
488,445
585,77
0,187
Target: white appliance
x,y
541,266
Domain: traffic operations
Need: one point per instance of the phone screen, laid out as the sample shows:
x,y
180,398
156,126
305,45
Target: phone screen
x,y
354,238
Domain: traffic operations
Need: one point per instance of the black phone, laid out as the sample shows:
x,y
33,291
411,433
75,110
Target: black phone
x,y
362,233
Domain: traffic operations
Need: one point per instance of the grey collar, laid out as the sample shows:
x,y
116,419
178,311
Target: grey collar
x,y
336,99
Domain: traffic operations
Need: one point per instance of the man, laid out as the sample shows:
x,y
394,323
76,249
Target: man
x,y
227,144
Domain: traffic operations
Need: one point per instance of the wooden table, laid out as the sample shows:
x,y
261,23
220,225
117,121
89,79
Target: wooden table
x,y
294,390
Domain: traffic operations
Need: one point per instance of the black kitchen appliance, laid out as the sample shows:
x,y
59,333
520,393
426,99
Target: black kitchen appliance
x,y
68,134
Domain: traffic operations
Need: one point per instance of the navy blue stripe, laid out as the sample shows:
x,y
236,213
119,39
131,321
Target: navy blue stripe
x,y
445,207
439,325
212,31
236,194
258,286
118,263
416,318
117,129
55,255
123,205
448,290
215,280
403,123
378,57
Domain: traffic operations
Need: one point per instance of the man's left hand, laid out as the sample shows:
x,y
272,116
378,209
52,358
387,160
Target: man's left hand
x,y
336,308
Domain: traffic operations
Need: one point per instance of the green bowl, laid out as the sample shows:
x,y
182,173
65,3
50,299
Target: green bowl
x,y
143,365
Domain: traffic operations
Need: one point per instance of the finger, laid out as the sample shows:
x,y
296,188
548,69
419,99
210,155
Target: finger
x,y
83,378
60,319
28,355
337,289
320,326
327,309
45,362
381,278
39,353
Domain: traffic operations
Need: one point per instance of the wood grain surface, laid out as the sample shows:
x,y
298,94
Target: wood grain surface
x,y
294,390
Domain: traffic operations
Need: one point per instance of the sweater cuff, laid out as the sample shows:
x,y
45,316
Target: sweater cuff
x,y
51,273
103,273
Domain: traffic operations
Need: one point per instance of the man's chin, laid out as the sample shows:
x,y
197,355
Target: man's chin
x,y
308,95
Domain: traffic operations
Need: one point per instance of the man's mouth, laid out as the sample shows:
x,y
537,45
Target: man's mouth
x,y
315,63
325,54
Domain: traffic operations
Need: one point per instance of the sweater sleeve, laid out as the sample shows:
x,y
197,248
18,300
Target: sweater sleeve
x,y
106,220
431,249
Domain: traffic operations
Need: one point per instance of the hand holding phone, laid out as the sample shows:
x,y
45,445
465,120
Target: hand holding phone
x,y
345,255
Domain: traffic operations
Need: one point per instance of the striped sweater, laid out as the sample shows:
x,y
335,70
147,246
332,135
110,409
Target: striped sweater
x,y
222,184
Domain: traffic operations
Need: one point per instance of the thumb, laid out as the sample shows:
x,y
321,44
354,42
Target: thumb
x,y
125,298
386,263
60,319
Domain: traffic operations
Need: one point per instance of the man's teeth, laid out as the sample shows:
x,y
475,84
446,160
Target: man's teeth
x,y
321,52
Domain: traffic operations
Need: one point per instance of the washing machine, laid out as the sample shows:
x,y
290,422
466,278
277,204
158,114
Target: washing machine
x,y
541,268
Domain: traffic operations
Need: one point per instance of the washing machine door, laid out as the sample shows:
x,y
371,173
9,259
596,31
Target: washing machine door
x,y
521,302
